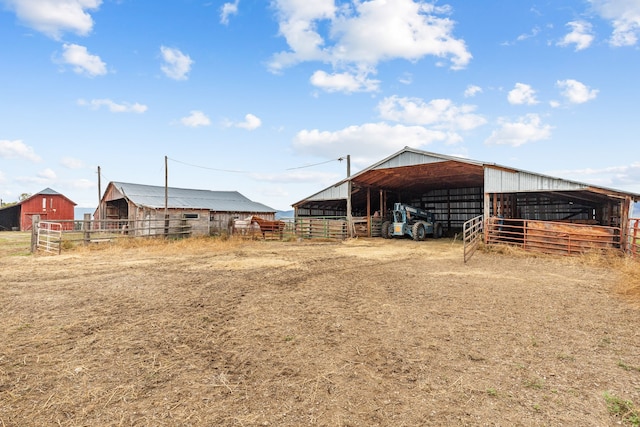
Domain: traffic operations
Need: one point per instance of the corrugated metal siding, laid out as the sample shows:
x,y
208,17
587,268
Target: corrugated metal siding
x,y
408,159
502,181
337,192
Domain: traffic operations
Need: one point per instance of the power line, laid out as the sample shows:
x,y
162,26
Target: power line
x,y
205,167
246,172
316,164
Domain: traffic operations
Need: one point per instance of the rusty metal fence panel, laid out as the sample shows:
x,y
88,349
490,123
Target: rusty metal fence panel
x,y
552,237
634,237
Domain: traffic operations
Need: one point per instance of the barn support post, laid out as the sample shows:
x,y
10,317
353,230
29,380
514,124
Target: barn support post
x,y
368,212
625,206
35,225
486,214
86,227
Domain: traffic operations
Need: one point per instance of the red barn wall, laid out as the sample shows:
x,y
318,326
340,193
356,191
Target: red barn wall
x,y
50,207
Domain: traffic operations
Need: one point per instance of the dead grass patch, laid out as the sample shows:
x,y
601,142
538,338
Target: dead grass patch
x,y
215,332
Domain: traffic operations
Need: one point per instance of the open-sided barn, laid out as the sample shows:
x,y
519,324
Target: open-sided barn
x,y
458,190
48,203
206,211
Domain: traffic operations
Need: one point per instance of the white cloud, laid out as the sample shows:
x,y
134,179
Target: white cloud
x,y
82,61
438,114
47,174
366,142
526,129
360,34
17,149
576,92
176,65
534,32
625,176
406,79
112,106
54,17
196,119
344,82
3,178
522,94
251,122
624,16
83,184
472,90
227,10
580,35
72,163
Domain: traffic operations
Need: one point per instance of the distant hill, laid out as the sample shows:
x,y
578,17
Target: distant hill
x,y
284,214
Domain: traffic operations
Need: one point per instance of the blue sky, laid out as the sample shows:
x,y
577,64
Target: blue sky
x,y
263,96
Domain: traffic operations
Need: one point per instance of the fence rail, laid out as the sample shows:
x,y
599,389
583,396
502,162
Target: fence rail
x,y
50,236
472,235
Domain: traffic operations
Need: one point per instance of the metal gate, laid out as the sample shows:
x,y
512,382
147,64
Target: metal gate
x,y
472,234
49,237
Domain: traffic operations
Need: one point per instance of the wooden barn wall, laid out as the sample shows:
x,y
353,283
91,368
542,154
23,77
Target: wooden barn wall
x,y
222,222
199,224
50,207
112,193
206,223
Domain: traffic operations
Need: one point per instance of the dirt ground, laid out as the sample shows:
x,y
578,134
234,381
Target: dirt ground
x,y
367,332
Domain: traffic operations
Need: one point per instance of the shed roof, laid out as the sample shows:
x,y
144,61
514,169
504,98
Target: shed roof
x,y
153,196
412,170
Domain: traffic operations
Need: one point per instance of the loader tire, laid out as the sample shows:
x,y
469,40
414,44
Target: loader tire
x,y
386,231
437,230
419,232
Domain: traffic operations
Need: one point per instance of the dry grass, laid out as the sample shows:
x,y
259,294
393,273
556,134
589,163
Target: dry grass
x,y
627,268
363,332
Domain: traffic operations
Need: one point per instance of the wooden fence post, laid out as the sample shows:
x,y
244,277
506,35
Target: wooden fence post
x,y
35,224
86,227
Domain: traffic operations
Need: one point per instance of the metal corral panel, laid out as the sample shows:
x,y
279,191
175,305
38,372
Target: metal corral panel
x,y
408,158
511,181
337,192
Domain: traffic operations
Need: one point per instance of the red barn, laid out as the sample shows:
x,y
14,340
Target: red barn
x,y
48,203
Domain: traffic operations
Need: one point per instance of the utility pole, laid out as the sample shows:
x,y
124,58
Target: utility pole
x,y
100,216
349,218
166,197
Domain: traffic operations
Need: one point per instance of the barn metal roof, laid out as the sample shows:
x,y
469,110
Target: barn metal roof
x,y
152,196
414,171
48,192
